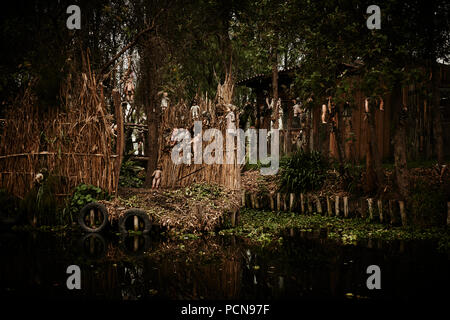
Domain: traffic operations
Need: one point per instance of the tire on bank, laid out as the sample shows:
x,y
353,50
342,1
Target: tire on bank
x,y
93,217
127,221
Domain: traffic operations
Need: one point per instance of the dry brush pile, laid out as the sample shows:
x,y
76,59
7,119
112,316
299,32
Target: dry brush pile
x,y
196,208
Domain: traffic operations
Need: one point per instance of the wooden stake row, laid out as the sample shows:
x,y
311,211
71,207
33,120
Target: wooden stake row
x,y
387,211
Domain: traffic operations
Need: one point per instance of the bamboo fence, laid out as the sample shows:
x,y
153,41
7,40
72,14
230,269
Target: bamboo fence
x,y
73,142
179,116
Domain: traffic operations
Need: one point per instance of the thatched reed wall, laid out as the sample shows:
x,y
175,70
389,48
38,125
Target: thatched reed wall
x,y
179,116
73,143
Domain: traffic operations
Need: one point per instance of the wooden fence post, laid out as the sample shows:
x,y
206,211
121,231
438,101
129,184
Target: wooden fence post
x,y
448,213
370,205
319,205
278,201
401,205
136,223
309,202
252,200
346,207
336,205
272,204
92,217
329,211
257,201
392,212
302,202
233,219
283,201
380,209
291,201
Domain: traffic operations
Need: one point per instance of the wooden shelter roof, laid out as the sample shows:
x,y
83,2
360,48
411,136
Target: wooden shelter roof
x,y
264,79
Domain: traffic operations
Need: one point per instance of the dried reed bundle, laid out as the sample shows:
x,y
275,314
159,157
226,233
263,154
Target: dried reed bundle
x,y
227,175
72,142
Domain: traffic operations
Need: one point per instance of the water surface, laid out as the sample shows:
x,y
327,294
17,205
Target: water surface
x,y
304,266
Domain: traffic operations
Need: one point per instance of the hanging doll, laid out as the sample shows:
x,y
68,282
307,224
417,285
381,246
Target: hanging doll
x,y
164,100
195,110
129,90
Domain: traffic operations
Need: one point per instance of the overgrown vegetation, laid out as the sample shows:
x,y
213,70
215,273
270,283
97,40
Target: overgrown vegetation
x,y
40,203
200,191
266,227
131,175
82,195
427,204
351,177
303,172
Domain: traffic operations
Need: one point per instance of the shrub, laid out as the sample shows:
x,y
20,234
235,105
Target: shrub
x,y
40,202
302,172
129,175
427,204
84,194
351,177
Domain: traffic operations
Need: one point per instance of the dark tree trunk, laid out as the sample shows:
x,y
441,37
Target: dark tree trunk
x,y
149,87
336,137
307,132
374,162
399,139
436,111
152,143
275,86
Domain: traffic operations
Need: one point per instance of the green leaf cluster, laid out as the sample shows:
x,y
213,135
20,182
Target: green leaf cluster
x,y
303,172
84,194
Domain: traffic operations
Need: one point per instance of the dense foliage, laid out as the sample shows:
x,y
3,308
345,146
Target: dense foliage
x,y
84,194
130,175
303,172
427,204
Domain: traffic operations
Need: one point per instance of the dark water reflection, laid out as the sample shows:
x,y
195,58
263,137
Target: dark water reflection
x,y
306,265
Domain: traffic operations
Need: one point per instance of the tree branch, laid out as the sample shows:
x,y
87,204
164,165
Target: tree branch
x,y
132,43
128,46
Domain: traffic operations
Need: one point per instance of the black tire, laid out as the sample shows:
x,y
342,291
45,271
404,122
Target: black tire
x,y
93,246
86,210
143,219
127,244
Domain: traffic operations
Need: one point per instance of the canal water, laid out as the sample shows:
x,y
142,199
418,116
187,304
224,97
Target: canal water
x,y
304,266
